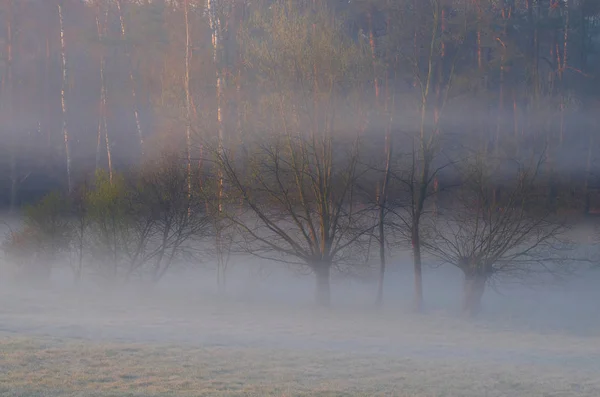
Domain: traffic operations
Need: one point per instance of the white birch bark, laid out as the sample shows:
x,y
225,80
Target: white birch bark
x,y
215,27
63,55
136,113
102,124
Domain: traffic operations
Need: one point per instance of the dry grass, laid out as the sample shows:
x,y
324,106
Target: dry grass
x,y
46,367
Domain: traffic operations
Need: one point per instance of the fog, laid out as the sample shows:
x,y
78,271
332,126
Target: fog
x,y
179,180
550,333
267,304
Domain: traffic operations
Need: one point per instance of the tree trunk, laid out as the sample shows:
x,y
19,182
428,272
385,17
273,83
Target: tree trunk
x,y
79,271
136,113
416,235
474,288
584,40
223,251
418,280
8,111
588,175
382,205
47,108
62,97
382,264
102,124
188,113
535,46
479,46
323,291
216,36
374,55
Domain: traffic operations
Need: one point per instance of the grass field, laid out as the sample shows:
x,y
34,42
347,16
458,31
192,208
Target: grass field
x,y
67,347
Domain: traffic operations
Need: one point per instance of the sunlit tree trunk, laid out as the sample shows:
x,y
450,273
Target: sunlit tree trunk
x,y
374,55
215,27
138,124
102,123
188,104
46,108
63,55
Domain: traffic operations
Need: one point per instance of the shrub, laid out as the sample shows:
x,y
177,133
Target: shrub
x,y
46,235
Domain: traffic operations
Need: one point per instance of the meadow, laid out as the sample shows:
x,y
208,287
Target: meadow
x,y
154,344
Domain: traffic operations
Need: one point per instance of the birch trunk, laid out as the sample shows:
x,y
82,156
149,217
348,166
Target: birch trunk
x,y
374,55
46,107
63,55
138,124
102,123
215,27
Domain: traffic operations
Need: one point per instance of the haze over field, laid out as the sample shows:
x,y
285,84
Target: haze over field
x,y
266,338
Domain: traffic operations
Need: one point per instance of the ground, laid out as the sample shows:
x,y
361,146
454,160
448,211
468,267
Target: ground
x,y
81,344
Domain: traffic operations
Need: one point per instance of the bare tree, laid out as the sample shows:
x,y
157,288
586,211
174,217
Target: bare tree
x,y
175,221
141,225
301,205
299,179
490,234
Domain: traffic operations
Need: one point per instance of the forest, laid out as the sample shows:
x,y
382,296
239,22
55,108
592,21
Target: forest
x,y
326,135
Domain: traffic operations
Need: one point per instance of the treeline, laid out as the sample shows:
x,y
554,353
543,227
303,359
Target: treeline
x,y
320,134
